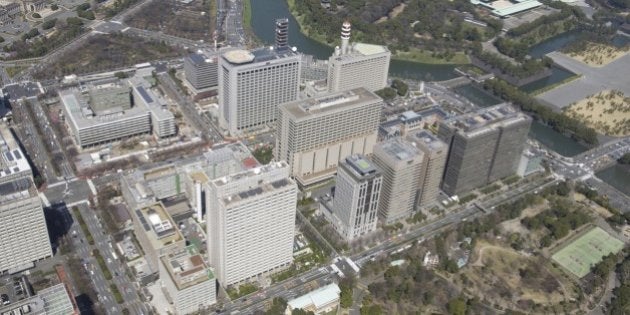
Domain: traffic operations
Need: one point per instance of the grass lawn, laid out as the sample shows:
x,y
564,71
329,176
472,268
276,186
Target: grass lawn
x,y
422,56
581,255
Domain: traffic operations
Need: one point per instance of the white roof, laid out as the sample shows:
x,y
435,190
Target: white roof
x,y
318,298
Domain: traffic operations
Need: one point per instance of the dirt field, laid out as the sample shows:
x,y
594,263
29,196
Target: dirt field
x,y
392,14
191,21
511,279
593,206
598,55
608,112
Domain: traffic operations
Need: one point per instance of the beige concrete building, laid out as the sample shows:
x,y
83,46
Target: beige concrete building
x,y
189,284
357,65
315,134
251,223
435,154
23,231
401,164
157,233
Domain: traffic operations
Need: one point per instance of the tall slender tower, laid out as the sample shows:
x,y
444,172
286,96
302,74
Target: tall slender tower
x,y
346,28
282,34
356,196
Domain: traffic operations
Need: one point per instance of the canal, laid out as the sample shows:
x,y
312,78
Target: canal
x,y
617,176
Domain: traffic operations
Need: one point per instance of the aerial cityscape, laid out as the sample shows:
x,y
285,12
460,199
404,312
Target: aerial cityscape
x,y
348,157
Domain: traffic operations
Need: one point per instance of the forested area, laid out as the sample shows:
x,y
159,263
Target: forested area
x,y
524,69
437,25
527,103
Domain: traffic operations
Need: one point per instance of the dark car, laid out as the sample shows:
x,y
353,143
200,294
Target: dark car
x,y
5,299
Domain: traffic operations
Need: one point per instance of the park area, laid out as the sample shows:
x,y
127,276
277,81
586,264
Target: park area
x,y
512,280
579,256
189,19
608,112
107,52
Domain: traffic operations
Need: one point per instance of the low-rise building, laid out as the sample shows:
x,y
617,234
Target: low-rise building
x,y
102,113
157,233
188,282
54,300
319,301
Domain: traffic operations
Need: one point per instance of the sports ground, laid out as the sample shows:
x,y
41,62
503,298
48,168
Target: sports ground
x,y
583,253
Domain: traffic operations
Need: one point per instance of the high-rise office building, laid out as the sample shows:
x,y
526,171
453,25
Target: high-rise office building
x,y
315,134
201,70
356,196
401,164
435,154
23,232
357,65
484,146
189,283
251,222
253,83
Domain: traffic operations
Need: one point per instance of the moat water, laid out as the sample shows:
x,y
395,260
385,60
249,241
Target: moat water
x,y
264,13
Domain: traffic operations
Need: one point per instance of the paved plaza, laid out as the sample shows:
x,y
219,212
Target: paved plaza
x,y
613,76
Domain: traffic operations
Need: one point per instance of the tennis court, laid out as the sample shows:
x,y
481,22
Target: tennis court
x,y
581,255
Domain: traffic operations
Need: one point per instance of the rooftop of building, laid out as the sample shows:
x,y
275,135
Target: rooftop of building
x,y
504,8
317,298
263,185
83,114
199,58
329,103
427,140
12,160
362,50
50,301
158,225
399,149
262,54
17,189
186,268
360,167
152,100
486,119
410,117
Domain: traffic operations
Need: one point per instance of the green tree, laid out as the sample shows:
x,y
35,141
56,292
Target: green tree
x,y
346,285
299,311
36,15
371,310
54,7
624,159
456,306
278,307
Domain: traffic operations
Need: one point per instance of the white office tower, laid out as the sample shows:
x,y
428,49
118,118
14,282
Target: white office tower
x,y
401,164
251,222
356,196
189,283
435,154
357,65
23,232
315,134
253,83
